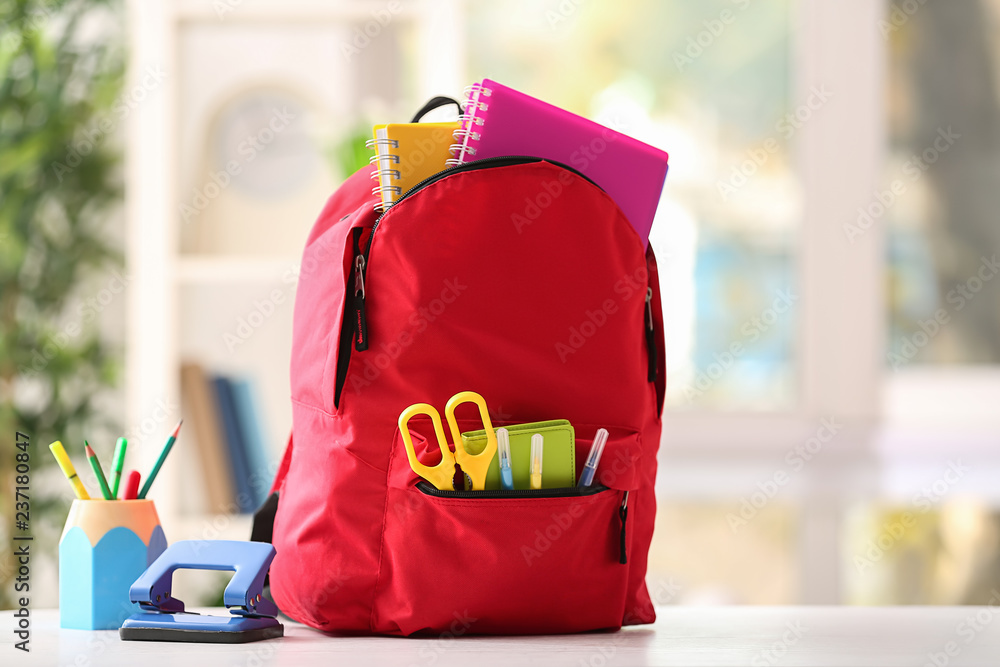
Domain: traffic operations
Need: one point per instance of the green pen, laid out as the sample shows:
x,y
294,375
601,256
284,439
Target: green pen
x,y
159,462
117,465
98,473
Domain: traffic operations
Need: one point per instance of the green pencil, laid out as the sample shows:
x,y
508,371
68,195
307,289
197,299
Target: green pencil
x,y
98,473
159,462
117,465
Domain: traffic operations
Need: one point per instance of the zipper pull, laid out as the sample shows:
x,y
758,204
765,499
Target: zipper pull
x,y
650,336
360,321
623,515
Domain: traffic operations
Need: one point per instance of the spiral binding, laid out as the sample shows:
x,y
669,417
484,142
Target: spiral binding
x,y
382,174
391,143
463,136
477,88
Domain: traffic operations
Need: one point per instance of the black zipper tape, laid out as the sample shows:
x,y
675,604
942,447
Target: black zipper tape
x,y
429,489
650,336
348,325
475,165
623,515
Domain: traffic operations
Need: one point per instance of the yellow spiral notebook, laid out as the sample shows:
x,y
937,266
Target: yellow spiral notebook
x,y
407,153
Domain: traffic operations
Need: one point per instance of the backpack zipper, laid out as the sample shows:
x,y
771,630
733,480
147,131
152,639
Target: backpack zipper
x,y
360,321
650,336
485,163
353,331
496,494
360,266
623,515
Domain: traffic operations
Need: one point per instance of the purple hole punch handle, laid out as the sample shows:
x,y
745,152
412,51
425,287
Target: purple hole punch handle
x,y
249,560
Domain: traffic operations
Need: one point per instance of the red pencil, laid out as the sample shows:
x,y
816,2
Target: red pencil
x,y
131,485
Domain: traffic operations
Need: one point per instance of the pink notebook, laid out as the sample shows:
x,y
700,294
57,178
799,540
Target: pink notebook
x,y
501,121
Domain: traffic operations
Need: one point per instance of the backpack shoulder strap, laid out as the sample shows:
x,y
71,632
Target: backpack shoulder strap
x,y
262,529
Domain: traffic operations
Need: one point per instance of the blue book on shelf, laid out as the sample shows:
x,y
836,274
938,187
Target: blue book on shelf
x,y
234,440
252,427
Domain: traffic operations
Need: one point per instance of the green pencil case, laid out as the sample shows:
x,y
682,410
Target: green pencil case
x,y
558,454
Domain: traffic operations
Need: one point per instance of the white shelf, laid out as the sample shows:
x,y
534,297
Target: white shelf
x,y
289,11
201,307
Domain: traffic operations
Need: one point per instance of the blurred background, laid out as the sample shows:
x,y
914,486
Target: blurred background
x,y
831,208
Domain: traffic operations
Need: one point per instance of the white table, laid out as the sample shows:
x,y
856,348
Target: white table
x,y
836,636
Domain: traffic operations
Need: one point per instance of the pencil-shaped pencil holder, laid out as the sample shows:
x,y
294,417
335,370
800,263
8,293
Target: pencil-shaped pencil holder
x,y
105,546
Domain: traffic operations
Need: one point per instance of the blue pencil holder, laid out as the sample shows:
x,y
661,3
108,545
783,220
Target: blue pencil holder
x,y
105,546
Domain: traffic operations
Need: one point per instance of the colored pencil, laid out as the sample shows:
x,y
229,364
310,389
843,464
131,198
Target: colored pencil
x,y
98,471
131,485
159,462
117,464
66,465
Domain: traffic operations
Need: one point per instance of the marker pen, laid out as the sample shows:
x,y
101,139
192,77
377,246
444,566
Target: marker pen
x,y
537,442
503,452
590,468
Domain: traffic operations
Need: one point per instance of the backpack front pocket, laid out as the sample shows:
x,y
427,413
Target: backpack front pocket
x,y
502,562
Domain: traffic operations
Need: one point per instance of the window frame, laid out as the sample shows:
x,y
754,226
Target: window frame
x,y
840,339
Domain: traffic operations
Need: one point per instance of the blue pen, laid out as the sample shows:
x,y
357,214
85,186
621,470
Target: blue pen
x,y
503,451
590,468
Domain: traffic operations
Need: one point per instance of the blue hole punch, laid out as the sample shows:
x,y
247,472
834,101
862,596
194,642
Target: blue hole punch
x,y
163,617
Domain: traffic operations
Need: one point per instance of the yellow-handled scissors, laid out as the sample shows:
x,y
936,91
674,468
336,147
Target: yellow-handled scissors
x,y
475,466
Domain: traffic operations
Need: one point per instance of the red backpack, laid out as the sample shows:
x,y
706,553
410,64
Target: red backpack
x,y
512,277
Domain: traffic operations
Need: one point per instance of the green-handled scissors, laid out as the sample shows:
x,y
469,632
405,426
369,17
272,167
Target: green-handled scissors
x,y
475,466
